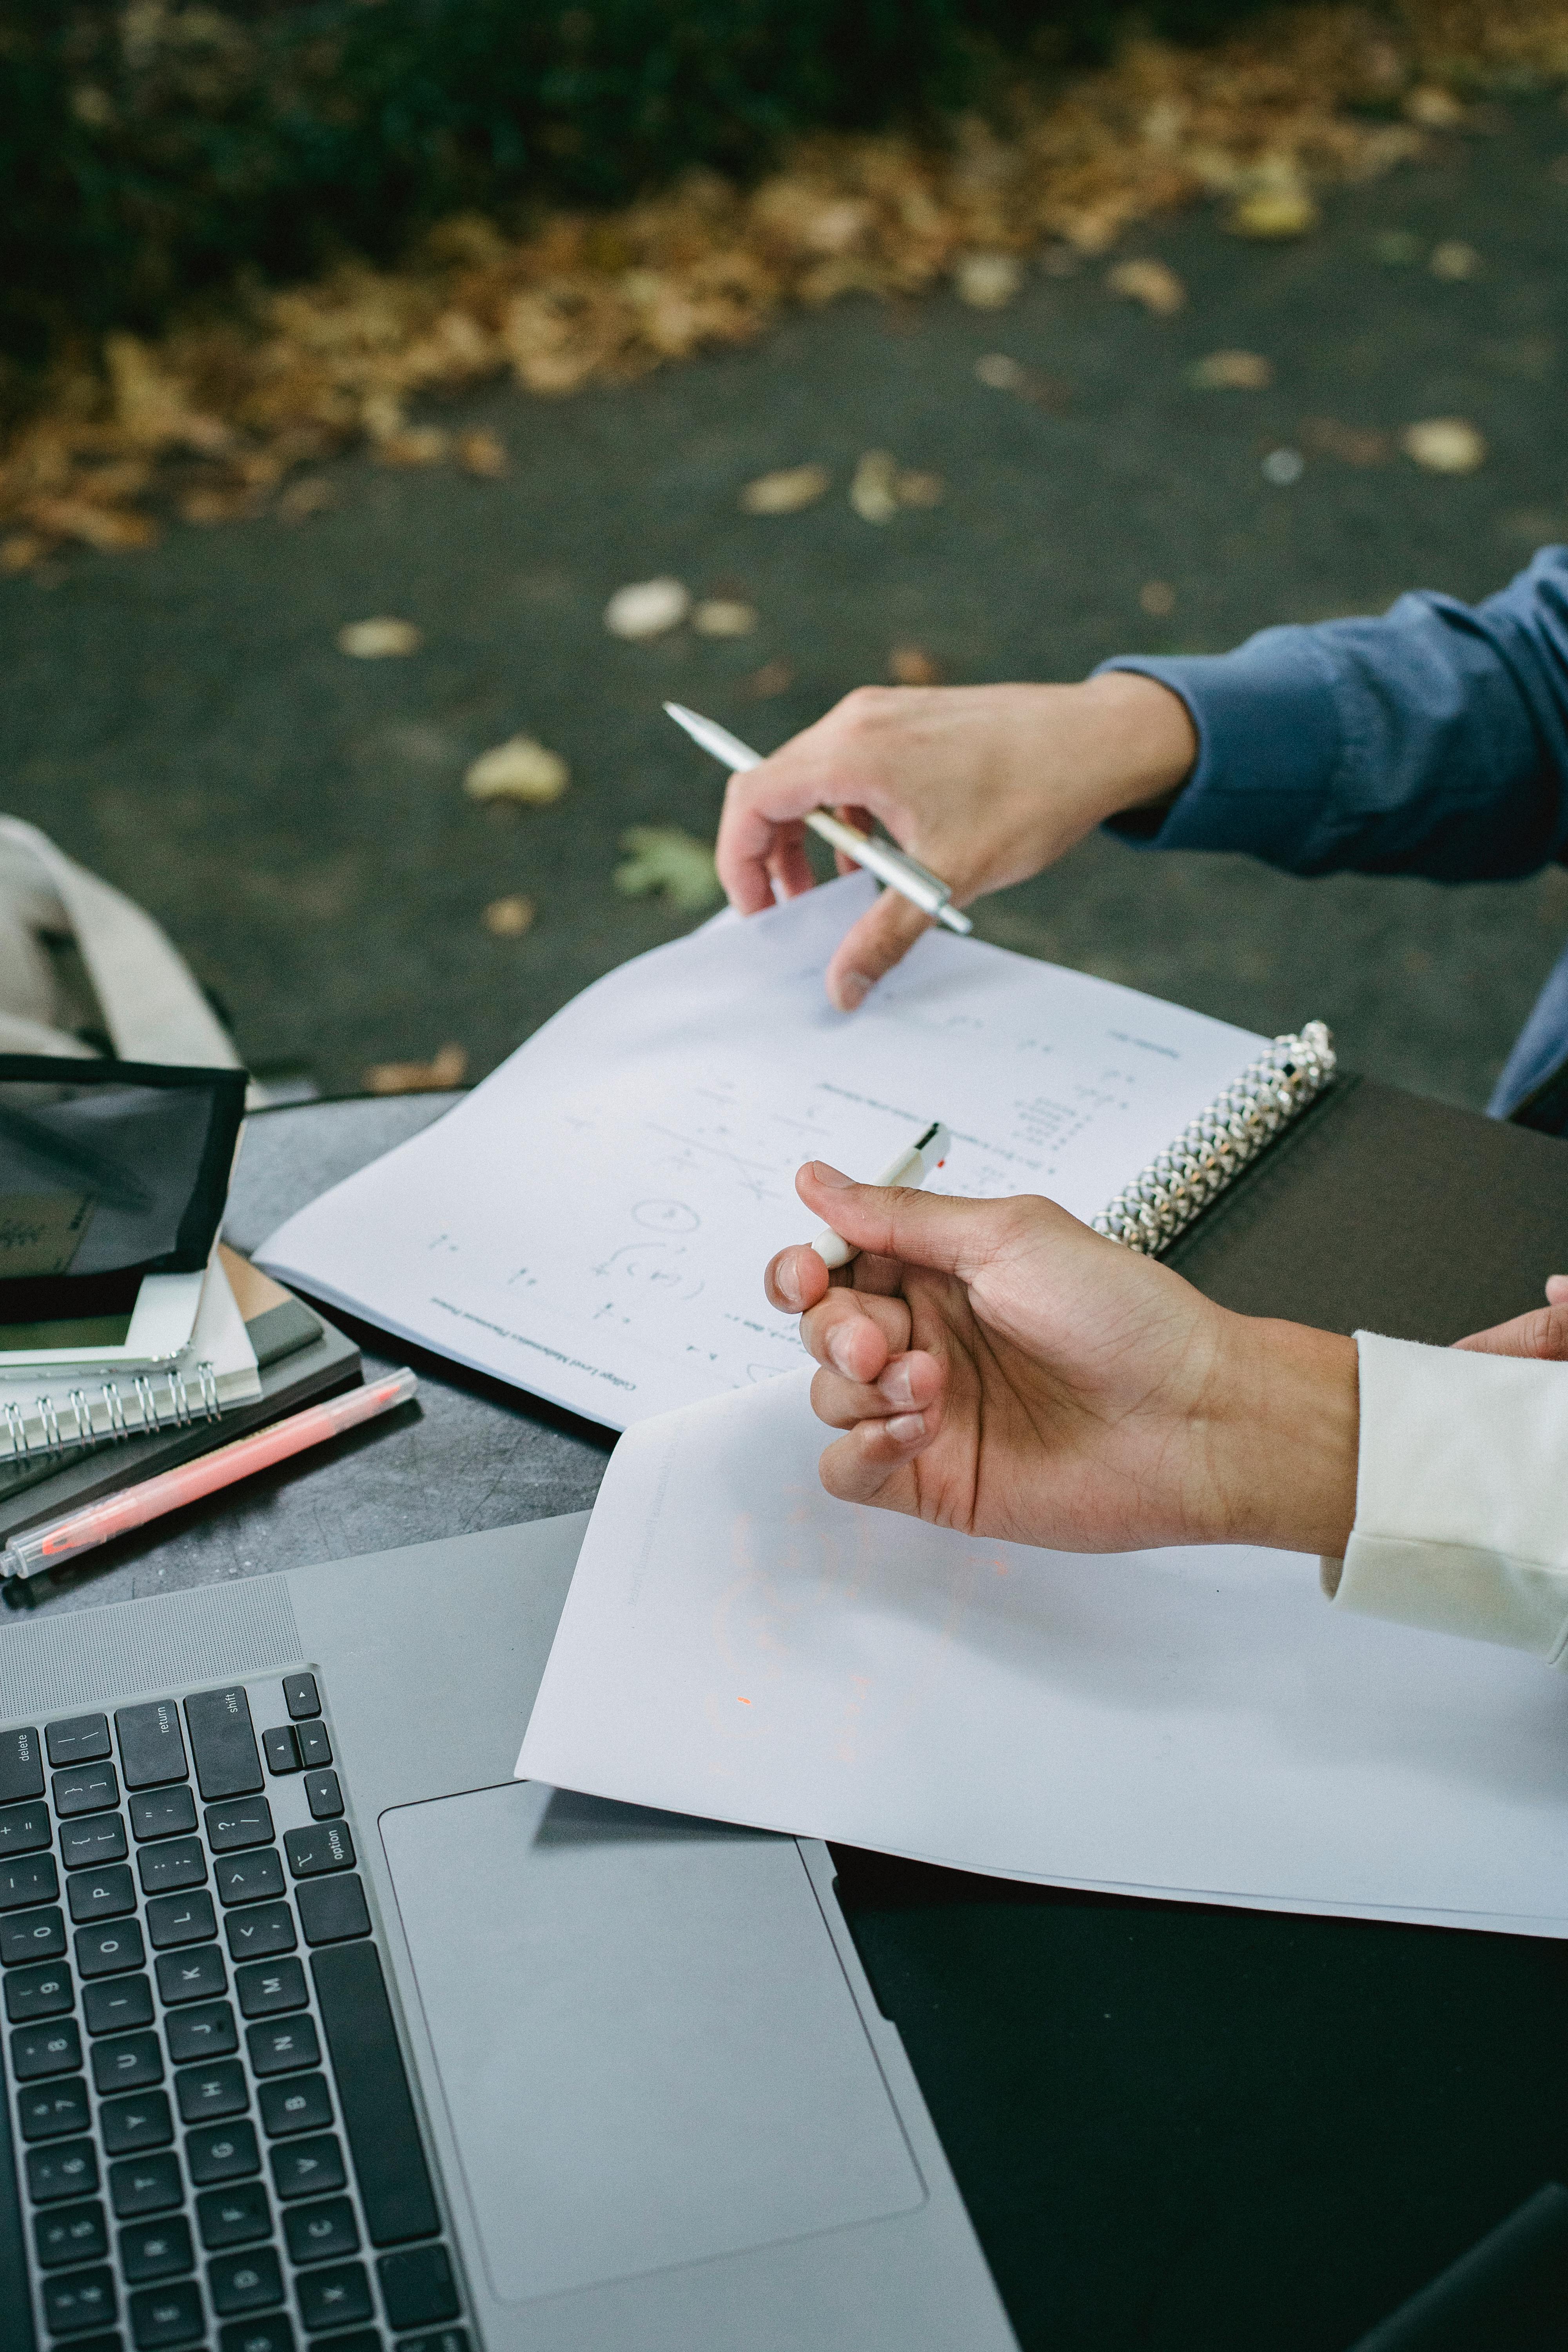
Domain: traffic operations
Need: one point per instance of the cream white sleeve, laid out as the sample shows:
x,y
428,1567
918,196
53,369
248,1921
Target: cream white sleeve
x,y
1461,1521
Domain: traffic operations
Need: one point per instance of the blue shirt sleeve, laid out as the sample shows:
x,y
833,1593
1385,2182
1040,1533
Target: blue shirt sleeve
x,y
1432,741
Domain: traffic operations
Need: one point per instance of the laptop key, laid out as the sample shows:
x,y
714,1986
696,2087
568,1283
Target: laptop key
x,y
223,1743
197,1974
32,1935
50,2110
306,2167
173,1864
273,2334
205,2093
100,1894
162,1812
164,2316
24,1828
83,1740
131,2125
84,1789
152,1750
324,1796
322,2232
301,1697
300,2103
418,2286
231,1828
56,2173
333,2298
109,1951
155,2250
132,2062
282,2046
209,2031
222,2152
117,2005
324,1846
281,1747
42,1991
253,1877
245,2282
332,1909
75,2301
315,1748
40,2050
270,1986
140,2185
96,1837
176,1919
378,2112
21,1765
30,1878
234,2217
258,1934
439,2339
70,2233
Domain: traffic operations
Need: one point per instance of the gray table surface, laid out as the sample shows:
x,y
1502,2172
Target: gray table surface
x,y
468,1454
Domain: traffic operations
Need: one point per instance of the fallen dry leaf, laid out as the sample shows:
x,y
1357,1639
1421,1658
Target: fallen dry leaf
x,y
1354,445
415,444
445,1069
647,608
662,858
873,492
1433,108
1443,445
1158,599
1000,373
724,616
1274,213
483,453
773,678
786,492
1232,371
1454,259
1282,469
213,505
913,666
379,640
517,770
987,281
509,918
20,549
1158,287
311,494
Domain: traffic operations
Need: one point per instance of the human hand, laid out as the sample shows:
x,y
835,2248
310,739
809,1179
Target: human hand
x,y
1543,1333
998,1367
983,785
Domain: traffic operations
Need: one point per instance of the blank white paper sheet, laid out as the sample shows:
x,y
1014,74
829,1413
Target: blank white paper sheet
x,y
592,1221
1198,1725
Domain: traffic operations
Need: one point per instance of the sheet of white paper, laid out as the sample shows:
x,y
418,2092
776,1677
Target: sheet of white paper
x,y
592,1221
1189,1724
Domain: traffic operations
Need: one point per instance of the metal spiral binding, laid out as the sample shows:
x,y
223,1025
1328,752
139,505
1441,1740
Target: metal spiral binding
x,y
1149,1213
178,1410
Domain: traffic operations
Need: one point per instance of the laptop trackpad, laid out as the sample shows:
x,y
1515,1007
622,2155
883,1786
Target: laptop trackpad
x,y
647,2045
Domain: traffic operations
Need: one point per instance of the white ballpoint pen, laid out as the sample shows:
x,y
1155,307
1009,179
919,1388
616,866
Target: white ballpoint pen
x,y
914,1165
900,872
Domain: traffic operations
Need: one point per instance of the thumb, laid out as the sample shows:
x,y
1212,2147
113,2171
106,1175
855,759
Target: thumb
x,y
925,1229
1542,1334
881,938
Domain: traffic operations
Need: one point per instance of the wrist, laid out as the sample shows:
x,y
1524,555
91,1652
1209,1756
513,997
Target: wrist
x,y
1146,744
1290,1439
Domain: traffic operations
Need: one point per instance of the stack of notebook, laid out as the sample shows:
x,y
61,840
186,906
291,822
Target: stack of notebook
x,y
255,1352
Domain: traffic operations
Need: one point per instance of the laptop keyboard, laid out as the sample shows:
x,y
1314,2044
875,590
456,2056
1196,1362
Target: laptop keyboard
x,y
213,2132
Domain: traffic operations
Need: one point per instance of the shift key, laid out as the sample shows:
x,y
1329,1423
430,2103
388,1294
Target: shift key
x,y
152,1750
223,1743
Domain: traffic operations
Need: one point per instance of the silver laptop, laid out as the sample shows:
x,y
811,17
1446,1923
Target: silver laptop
x,y
322,2031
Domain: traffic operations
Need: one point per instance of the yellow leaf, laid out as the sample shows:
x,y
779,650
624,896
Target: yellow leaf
x,y
517,770
786,491
379,640
663,859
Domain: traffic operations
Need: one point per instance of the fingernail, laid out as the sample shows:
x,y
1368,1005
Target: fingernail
x,y
854,988
786,1286
833,1178
905,1428
895,1385
838,1356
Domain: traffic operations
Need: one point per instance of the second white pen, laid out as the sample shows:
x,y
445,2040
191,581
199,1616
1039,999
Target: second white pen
x,y
914,1165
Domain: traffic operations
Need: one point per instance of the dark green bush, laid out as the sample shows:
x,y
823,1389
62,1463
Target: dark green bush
x,y
149,149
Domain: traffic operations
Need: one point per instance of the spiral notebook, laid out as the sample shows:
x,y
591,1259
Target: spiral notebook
x,y
592,1223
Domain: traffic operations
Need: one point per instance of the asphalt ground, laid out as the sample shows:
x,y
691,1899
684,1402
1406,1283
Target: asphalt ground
x,y
181,720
